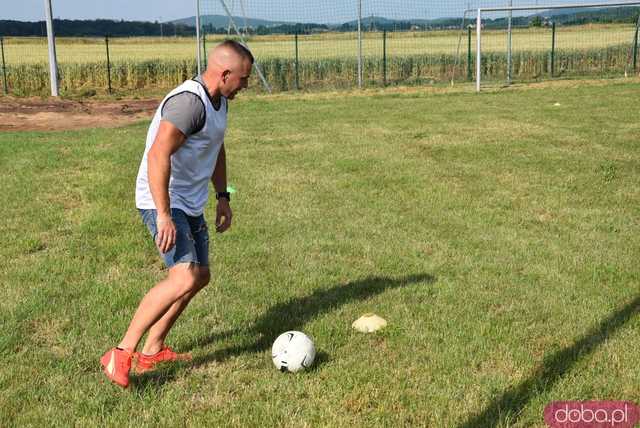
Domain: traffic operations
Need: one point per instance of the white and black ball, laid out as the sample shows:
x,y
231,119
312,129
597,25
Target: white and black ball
x,y
293,351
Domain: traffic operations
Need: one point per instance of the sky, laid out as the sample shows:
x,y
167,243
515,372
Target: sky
x,y
285,10
321,11
144,10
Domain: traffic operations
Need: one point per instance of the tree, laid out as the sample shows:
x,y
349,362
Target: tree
x,y
536,22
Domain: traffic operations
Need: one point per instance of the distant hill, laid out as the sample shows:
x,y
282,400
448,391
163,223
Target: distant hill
x,y
94,28
582,15
381,23
573,16
219,24
218,21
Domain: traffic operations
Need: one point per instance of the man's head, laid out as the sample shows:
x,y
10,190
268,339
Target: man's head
x,y
230,67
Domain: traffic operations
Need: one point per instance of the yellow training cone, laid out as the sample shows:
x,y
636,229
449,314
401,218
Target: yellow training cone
x,y
368,323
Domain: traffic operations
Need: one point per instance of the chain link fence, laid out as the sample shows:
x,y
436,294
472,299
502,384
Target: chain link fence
x,y
311,45
91,65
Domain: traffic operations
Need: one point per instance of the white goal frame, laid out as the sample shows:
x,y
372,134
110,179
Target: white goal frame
x,y
480,11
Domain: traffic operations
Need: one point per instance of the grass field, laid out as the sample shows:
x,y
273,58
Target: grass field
x,y
497,234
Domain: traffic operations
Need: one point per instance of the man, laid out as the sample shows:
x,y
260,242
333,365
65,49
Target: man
x,y
184,150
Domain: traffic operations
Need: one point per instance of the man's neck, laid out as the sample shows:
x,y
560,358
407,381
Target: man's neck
x,y
212,89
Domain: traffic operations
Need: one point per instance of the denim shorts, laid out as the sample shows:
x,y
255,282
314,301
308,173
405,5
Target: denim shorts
x,y
192,237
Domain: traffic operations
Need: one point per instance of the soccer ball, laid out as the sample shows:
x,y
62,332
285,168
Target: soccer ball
x,y
293,351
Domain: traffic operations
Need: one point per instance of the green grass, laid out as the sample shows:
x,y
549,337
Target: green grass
x,y
496,234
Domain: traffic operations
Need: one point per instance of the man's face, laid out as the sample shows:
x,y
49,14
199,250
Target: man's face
x,y
236,79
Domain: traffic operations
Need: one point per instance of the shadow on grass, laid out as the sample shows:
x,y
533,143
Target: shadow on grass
x,y
509,406
295,313
290,315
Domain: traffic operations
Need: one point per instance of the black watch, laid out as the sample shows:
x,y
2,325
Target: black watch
x,y
225,195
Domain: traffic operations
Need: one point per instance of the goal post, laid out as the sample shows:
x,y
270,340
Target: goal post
x,y
481,12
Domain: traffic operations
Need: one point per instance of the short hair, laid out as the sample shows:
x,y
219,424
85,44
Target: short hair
x,y
238,48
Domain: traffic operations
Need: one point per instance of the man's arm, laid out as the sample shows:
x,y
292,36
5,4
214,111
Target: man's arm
x,y
168,140
219,180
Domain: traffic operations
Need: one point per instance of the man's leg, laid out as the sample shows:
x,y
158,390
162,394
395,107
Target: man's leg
x,y
183,279
160,329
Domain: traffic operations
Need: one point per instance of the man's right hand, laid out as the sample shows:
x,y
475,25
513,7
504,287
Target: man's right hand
x,y
166,237
167,142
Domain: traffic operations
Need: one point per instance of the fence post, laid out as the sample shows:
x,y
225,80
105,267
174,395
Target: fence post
x,y
53,59
635,47
384,57
204,49
360,44
479,50
297,64
553,48
469,59
510,45
4,69
198,59
106,43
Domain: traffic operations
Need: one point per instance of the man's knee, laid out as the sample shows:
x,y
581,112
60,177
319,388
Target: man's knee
x,y
204,277
186,279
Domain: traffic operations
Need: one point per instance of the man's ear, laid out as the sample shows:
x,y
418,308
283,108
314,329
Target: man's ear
x,y
225,75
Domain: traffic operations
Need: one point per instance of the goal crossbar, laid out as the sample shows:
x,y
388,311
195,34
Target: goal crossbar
x,y
561,6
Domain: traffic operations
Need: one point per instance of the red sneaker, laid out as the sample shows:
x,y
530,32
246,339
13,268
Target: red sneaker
x,y
116,364
146,363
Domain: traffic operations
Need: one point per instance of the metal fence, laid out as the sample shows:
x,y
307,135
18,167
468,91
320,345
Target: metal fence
x,y
97,65
398,43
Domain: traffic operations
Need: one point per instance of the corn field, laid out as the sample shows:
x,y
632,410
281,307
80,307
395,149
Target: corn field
x,y
327,60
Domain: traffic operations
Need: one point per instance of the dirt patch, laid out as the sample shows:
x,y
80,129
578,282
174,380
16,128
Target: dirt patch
x,y
37,114
50,114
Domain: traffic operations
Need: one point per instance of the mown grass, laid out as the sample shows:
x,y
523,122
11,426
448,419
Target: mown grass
x,y
496,234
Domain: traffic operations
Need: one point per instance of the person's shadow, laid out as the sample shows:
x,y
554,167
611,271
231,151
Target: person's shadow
x,y
291,315
508,406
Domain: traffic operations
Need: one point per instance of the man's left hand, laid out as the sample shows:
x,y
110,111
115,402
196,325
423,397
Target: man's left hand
x,y
223,215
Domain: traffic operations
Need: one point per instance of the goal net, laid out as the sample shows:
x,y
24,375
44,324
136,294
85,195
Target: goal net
x,y
306,44
528,42
302,44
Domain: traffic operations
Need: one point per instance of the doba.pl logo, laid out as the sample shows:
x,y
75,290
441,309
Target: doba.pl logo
x,y
591,414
